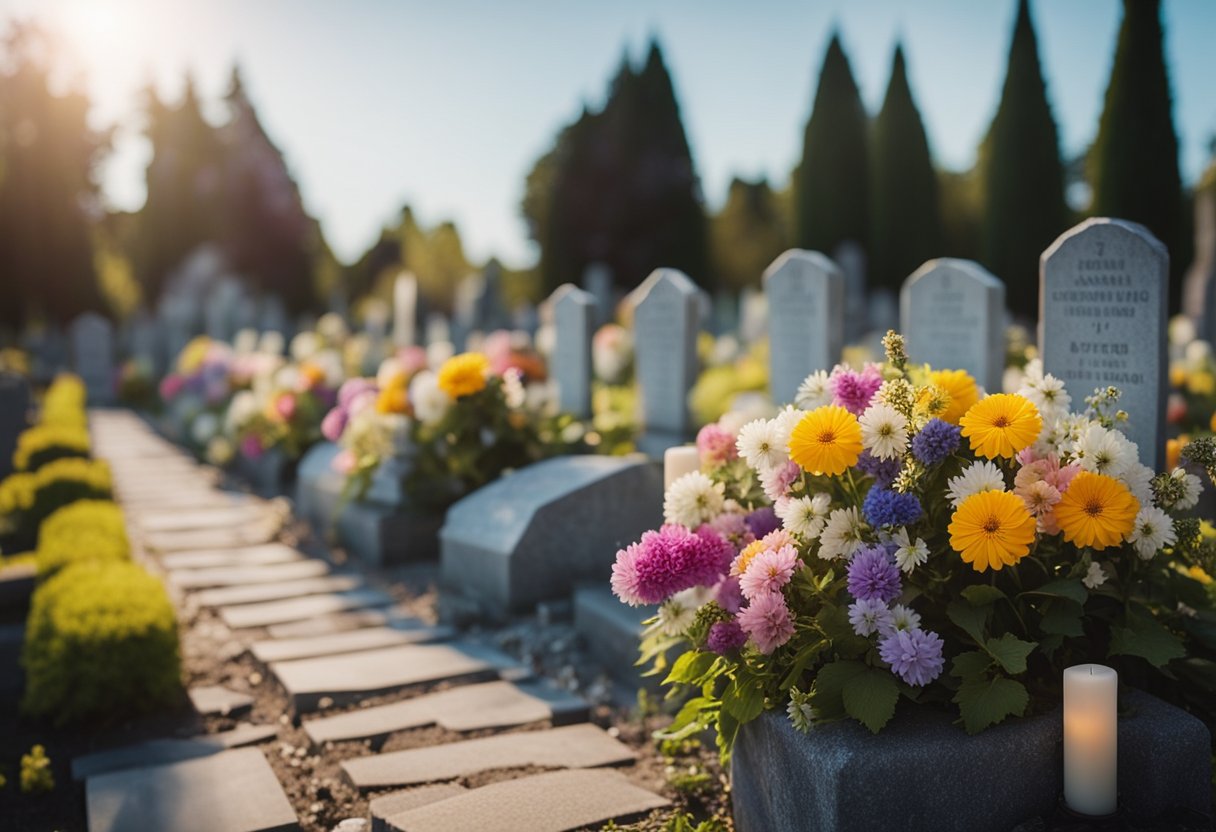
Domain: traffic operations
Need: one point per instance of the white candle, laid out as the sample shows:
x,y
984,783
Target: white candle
x,y
1091,735
679,461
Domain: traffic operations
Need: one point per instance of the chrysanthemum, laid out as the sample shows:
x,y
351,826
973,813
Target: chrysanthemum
x,y
873,576
769,572
975,478
1190,486
767,620
464,374
961,388
814,392
1104,451
725,637
744,559
841,535
762,521
869,616
884,431
804,516
778,479
902,618
1096,511
937,440
884,471
1001,425
693,499
430,401
1047,393
992,529
826,441
666,561
678,612
760,445
1139,480
728,595
716,445
1094,577
914,655
854,390
883,507
1152,532
909,553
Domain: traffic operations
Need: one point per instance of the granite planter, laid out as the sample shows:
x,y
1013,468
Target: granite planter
x,y
319,487
270,475
924,772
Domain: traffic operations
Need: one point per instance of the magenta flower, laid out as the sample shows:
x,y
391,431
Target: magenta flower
x,y
853,390
914,655
665,562
767,621
170,386
728,594
716,445
768,572
251,447
334,423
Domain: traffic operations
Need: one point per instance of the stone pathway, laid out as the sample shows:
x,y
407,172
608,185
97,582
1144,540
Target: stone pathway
x,y
331,639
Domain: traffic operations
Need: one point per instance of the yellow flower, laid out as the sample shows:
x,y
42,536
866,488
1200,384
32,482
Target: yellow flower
x,y
464,374
1096,511
933,401
1173,449
1001,425
1201,384
992,529
193,355
960,387
1177,375
312,375
744,558
827,440
1198,573
393,400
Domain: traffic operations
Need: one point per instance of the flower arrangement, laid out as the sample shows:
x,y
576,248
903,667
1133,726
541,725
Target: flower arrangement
x,y
1191,407
929,542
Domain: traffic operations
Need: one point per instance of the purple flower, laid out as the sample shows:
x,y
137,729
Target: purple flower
x,y
936,441
884,471
853,390
729,594
762,521
334,423
251,447
914,655
874,576
730,525
890,508
767,621
869,617
354,387
665,562
725,637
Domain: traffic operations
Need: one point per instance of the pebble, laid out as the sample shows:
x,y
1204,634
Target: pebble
x,y
255,678
353,825
325,702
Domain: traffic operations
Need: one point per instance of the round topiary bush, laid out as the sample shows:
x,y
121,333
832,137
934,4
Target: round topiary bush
x,y
27,499
46,443
101,642
86,530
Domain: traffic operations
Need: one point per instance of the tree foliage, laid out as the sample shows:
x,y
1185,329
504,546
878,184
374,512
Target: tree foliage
x,y
435,255
747,234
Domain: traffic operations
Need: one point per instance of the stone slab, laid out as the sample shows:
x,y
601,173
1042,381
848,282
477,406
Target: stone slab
x,y
355,676
264,555
319,486
467,708
574,746
805,292
202,518
350,641
612,631
394,803
296,609
169,750
211,538
556,801
240,576
342,622
382,535
233,791
217,700
259,593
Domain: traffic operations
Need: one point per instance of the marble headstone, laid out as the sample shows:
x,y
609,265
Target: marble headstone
x,y
405,309
806,318
1103,293
92,339
574,311
14,416
666,321
952,315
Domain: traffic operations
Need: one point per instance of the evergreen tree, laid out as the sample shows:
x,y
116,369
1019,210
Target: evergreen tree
x,y
906,225
747,234
1133,164
1023,179
831,183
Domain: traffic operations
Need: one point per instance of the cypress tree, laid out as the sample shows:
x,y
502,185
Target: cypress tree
x,y
1023,179
905,218
747,234
831,183
1133,164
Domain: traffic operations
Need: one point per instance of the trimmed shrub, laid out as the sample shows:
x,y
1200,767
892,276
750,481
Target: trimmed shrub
x,y
86,530
64,402
101,642
28,499
47,443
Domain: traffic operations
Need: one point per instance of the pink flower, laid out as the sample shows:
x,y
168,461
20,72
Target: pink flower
x,y
334,423
853,390
412,359
344,462
251,447
716,445
285,406
1041,498
777,481
1047,469
778,539
767,621
768,572
733,527
170,386
665,562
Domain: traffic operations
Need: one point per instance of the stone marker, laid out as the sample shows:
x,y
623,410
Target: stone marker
x,y
233,791
532,535
92,339
805,293
258,593
239,576
556,801
296,609
574,311
394,803
666,320
319,486
1103,297
574,746
952,316
1199,286
349,641
467,708
405,309
158,752
597,281
612,632
14,417
217,700
264,555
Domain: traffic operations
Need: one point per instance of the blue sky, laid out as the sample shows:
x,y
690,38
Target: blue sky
x,y
445,105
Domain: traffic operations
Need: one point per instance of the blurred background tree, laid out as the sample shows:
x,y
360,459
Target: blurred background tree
x,y
747,234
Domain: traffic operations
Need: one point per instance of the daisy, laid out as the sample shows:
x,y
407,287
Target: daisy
x,y
992,529
1103,451
760,444
1139,480
678,612
909,554
693,499
976,477
960,387
902,618
1191,486
1001,425
784,423
1095,577
814,392
826,440
1153,531
804,516
884,431
1096,511
1047,393
841,536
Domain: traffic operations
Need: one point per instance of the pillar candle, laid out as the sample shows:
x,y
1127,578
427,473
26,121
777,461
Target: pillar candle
x,y
1091,736
679,461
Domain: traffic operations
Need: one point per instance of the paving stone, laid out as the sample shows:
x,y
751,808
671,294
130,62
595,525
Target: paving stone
x,y
354,676
264,555
211,538
233,791
258,593
351,641
574,746
168,750
295,609
556,801
382,808
203,518
244,575
344,622
217,700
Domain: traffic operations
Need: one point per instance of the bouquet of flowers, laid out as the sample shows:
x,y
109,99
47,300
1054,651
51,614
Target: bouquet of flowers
x,y
1191,409
934,544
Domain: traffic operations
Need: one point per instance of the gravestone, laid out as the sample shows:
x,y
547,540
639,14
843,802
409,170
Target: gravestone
x,y
1103,289
574,311
597,279
145,342
666,320
952,316
1199,288
319,486
14,416
753,315
851,258
177,322
806,318
405,309
93,356
220,309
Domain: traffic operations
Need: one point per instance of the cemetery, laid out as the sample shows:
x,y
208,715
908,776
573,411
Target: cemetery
x,y
819,512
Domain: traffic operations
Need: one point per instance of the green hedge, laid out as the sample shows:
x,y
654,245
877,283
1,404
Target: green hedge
x,y
86,530
27,499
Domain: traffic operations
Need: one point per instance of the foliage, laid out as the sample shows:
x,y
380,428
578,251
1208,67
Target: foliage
x,y
36,776
41,444
435,256
87,530
747,234
101,642
64,402
28,499
714,392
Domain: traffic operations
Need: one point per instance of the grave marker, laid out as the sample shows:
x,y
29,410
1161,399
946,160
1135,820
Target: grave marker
x,y
574,311
405,309
806,318
93,356
666,321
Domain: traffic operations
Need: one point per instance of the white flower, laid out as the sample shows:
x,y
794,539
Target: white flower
x,y
1191,487
271,342
513,388
693,499
869,617
1188,611
1139,480
884,431
760,444
429,401
332,328
841,536
1095,577
976,477
804,516
1046,392
800,712
1105,451
902,618
389,371
910,554
205,426
1154,530
245,342
304,345
784,424
241,409
678,612
813,392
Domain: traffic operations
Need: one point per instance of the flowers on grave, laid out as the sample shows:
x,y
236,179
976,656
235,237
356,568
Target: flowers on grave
x,y
931,542
612,353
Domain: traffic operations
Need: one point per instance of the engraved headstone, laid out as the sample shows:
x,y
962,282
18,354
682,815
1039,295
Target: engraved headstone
x,y
952,315
1102,315
806,318
405,309
666,321
575,311
93,356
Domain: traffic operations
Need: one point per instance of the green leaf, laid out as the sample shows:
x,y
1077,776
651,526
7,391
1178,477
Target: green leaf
x,y
828,693
980,594
984,702
969,619
743,699
971,664
690,667
834,621
1070,588
1062,617
691,719
1011,652
1146,637
870,698
802,660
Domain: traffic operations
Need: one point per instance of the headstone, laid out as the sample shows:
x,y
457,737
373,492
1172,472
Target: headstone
x,y
851,258
437,328
952,316
753,315
319,486
93,356
405,309
176,315
806,318
597,280
220,309
574,310
14,416
666,321
1103,297
1199,288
